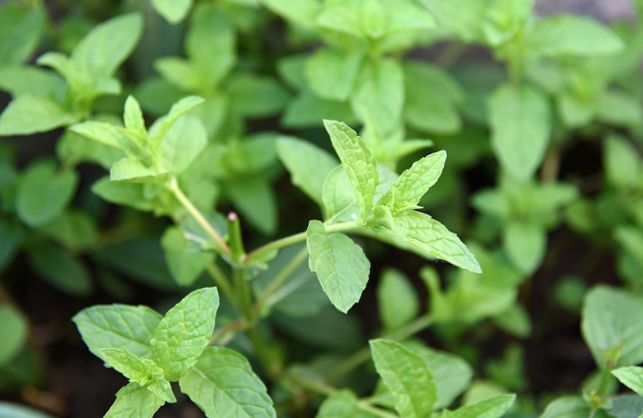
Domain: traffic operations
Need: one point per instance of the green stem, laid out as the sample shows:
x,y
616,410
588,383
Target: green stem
x,y
281,277
198,217
297,238
234,236
221,280
364,354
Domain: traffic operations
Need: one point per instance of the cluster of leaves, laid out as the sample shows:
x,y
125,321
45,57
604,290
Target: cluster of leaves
x,y
180,133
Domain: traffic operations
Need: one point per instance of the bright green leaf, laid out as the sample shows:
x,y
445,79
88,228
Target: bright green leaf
x,y
31,114
331,73
173,11
632,377
134,401
622,162
490,408
525,243
341,404
396,299
340,265
185,261
182,144
13,333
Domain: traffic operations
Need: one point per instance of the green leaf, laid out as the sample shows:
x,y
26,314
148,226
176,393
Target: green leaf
x,y
31,81
302,12
490,408
134,401
185,332
255,97
396,299
341,404
182,144
632,377
378,98
340,265
13,333
118,326
431,97
21,27
452,372
185,261
160,128
307,109
521,125
223,385
612,328
358,162
331,73
571,35
173,11
74,229
31,114
406,376
622,162
420,233
525,244
61,269
43,193
132,169
133,116
567,407
257,202
105,48
141,371
307,164
12,237
414,182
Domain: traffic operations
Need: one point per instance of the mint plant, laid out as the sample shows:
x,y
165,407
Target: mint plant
x,y
147,167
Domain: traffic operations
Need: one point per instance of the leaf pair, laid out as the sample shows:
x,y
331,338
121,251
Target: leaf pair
x,y
153,350
384,209
88,73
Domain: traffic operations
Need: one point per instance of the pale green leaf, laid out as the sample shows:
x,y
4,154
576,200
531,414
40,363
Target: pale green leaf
x,y
567,407
186,262
358,162
257,202
13,333
420,233
10,410
406,376
396,299
340,265
612,327
307,164
31,81
223,385
139,370
632,377
173,11
341,404
44,192
105,48
378,98
414,182
331,73
490,408
301,12
118,326
159,129
134,401
133,116
182,144
132,169
185,332
254,97
521,125
622,162
525,244
21,26
31,114
571,35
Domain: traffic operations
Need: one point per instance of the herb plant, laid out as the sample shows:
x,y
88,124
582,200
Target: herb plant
x,y
152,148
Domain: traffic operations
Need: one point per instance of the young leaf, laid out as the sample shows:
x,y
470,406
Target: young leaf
x,y
340,264
490,408
105,48
520,124
133,117
223,384
141,371
358,162
418,232
173,11
407,376
571,35
159,129
32,114
396,299
118,326
632,377
184,332
414,182
379,95
525,243
612,327
134,401
186,262
331,72
307,164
